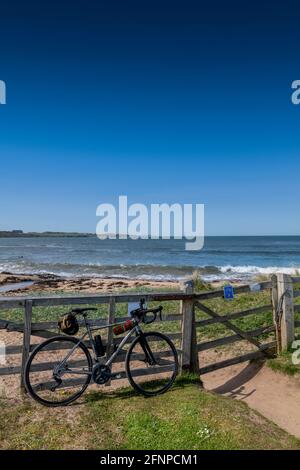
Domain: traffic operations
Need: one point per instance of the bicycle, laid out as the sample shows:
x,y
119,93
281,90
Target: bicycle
x,y
63,381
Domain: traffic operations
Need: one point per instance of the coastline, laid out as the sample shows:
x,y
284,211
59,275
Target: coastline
x,y
51,283
23,284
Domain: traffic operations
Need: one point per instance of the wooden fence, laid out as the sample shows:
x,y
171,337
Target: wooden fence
x,y
281,303
285,291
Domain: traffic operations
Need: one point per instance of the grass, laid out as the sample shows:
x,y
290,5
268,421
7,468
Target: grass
x,y
26,427
283,363
123,420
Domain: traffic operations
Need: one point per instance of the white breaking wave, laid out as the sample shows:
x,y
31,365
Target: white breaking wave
x,y
246,273
145,272
258,269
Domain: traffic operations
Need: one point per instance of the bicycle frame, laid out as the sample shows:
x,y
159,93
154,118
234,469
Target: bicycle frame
x,y
89,332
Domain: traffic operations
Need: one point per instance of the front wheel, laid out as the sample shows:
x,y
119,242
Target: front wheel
x,y
58,371
151,363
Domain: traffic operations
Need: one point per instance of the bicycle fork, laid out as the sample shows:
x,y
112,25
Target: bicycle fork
x,y
147,350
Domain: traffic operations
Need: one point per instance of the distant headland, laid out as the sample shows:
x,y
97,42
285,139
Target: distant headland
x,y
21,234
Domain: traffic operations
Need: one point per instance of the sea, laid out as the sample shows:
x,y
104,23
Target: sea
x,y
222,258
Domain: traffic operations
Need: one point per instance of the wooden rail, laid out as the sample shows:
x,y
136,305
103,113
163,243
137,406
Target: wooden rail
x,y
8,303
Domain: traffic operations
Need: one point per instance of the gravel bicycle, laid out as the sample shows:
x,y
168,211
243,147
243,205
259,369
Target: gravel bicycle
x,y
61,368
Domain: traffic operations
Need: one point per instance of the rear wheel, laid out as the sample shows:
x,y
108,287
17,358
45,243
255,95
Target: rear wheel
x,y
151,364
53,381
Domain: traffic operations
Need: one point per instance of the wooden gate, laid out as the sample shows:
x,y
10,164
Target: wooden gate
x,y
260,348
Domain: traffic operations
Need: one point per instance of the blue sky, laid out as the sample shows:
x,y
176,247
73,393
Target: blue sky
x,y
161,101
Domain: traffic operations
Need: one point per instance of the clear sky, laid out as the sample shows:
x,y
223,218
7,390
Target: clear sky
x,y
161,101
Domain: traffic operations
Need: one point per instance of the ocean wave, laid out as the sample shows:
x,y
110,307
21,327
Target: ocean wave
x,y
149,271
291,270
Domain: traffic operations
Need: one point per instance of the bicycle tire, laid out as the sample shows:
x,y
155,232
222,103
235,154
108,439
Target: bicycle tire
x,y
65,402
130,376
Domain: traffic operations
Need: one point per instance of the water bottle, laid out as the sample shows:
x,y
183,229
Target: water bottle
x,y
99,348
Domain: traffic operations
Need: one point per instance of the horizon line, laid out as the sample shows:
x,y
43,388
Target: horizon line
x,y
20,232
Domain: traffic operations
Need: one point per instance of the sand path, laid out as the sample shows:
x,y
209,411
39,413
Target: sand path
x,y
275,395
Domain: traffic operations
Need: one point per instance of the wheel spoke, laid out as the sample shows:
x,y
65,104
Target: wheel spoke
x,y
158,376
44,364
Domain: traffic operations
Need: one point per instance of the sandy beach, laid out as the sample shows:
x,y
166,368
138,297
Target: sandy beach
x,y
9,284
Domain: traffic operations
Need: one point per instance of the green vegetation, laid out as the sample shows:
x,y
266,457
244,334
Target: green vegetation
x,y
123,420
199,284
283,363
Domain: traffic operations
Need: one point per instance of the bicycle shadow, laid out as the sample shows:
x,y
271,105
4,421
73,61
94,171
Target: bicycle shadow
x,y
234,387
128,392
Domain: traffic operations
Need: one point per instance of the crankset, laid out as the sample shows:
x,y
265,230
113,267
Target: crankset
x,y
101,374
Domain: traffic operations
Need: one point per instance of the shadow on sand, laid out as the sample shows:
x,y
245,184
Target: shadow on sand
x,y
234,386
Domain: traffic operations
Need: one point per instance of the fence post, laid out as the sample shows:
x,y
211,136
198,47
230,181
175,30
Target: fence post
x,y
189,355
110,339
286,319
26,339
274,298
